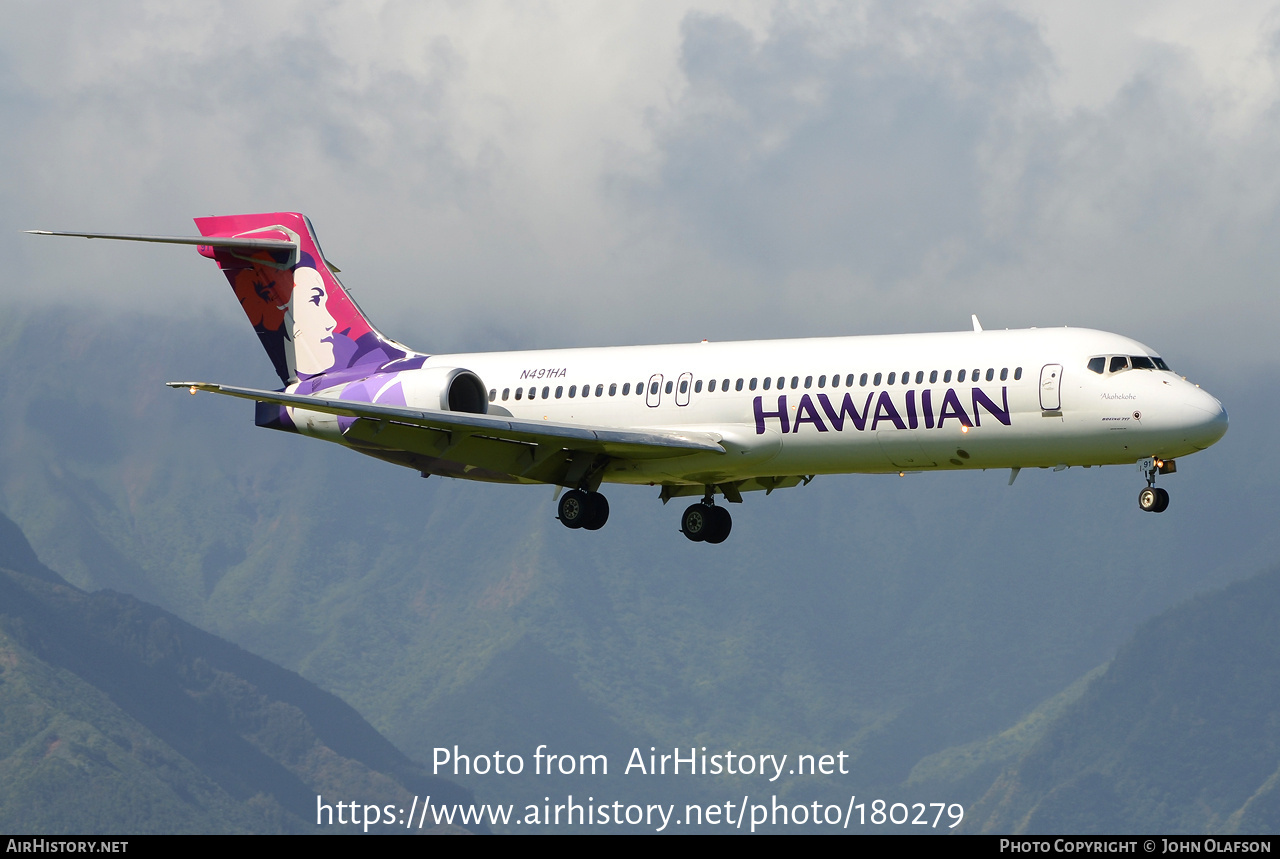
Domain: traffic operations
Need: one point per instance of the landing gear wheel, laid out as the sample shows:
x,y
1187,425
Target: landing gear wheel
x,y
1153,500
599,511
1162,501
696,522
575,509
721,525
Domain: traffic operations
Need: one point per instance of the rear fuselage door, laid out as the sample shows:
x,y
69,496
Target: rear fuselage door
x,y
682,389
653,393
1051,388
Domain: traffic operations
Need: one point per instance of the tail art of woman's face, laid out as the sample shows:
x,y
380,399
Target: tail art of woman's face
x,y
312,326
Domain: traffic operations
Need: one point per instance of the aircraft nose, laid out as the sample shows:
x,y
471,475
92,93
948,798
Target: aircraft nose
x,y
1207,419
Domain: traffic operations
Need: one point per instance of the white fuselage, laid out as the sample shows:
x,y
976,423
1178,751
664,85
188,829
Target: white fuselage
x,y
915,402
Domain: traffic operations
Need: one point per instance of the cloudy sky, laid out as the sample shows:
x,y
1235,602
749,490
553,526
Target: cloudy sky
x,y
494,175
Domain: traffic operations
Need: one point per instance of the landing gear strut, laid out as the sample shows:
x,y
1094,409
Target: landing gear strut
x,y
706,523
1153,499
579,508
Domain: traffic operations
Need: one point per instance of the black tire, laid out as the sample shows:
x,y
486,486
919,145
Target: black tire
x,y
1148,499
599,511
575,509
696,522
721,525
1162,501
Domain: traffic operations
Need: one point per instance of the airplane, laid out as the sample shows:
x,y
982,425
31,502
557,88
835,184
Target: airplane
x,y
695,419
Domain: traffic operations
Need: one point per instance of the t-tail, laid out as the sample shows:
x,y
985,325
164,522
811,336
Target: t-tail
x,y
313,331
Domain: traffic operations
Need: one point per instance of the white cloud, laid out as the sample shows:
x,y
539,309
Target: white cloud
x,y
558,174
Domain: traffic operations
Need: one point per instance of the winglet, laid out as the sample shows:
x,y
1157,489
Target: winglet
x,y
977,326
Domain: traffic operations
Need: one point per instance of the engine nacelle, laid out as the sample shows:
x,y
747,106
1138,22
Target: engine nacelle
x,y
450,389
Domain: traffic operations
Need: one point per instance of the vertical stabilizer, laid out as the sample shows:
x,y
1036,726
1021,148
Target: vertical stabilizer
x,y
312,329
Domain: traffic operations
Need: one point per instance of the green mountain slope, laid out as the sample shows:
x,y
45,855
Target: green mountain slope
x,y
116,716
1181,734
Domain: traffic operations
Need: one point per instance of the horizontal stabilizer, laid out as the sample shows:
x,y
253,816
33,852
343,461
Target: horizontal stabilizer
x,y
206,241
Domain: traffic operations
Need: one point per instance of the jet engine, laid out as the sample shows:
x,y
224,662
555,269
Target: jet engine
x,y
450,389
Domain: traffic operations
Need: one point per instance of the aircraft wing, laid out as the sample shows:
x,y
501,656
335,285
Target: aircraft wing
x,y
447,430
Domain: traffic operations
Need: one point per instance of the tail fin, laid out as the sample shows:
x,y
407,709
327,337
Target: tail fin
x,y
307,322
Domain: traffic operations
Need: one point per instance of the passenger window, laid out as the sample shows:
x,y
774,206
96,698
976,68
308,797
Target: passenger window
x,y
546,392
533,393
991,373
906,377
1017,374
493,394
768,382
684,386
960,376
795,382
697,387
848,380
808,382
1118,363
889,381
573,391
822,381
946,377
586,390
1004,374
711,386
752,383
1098,365
933,376
782,382
599,390
613,389
724,384
977,372
738,386
559,391
653,388
919,376
505,391
626,388
519,393
670,386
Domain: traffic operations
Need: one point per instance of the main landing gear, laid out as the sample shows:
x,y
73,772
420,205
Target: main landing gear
x,y
582,509
703,522
1153,499
706,523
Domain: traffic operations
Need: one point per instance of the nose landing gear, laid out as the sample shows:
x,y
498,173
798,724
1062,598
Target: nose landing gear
x,y
1153,499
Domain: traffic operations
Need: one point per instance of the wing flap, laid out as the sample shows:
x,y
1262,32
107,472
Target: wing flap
x,y
541,463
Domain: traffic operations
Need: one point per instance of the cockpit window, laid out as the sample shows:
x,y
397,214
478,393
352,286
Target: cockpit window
x,y
1098,365
1160,364
1118,363
1142,362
